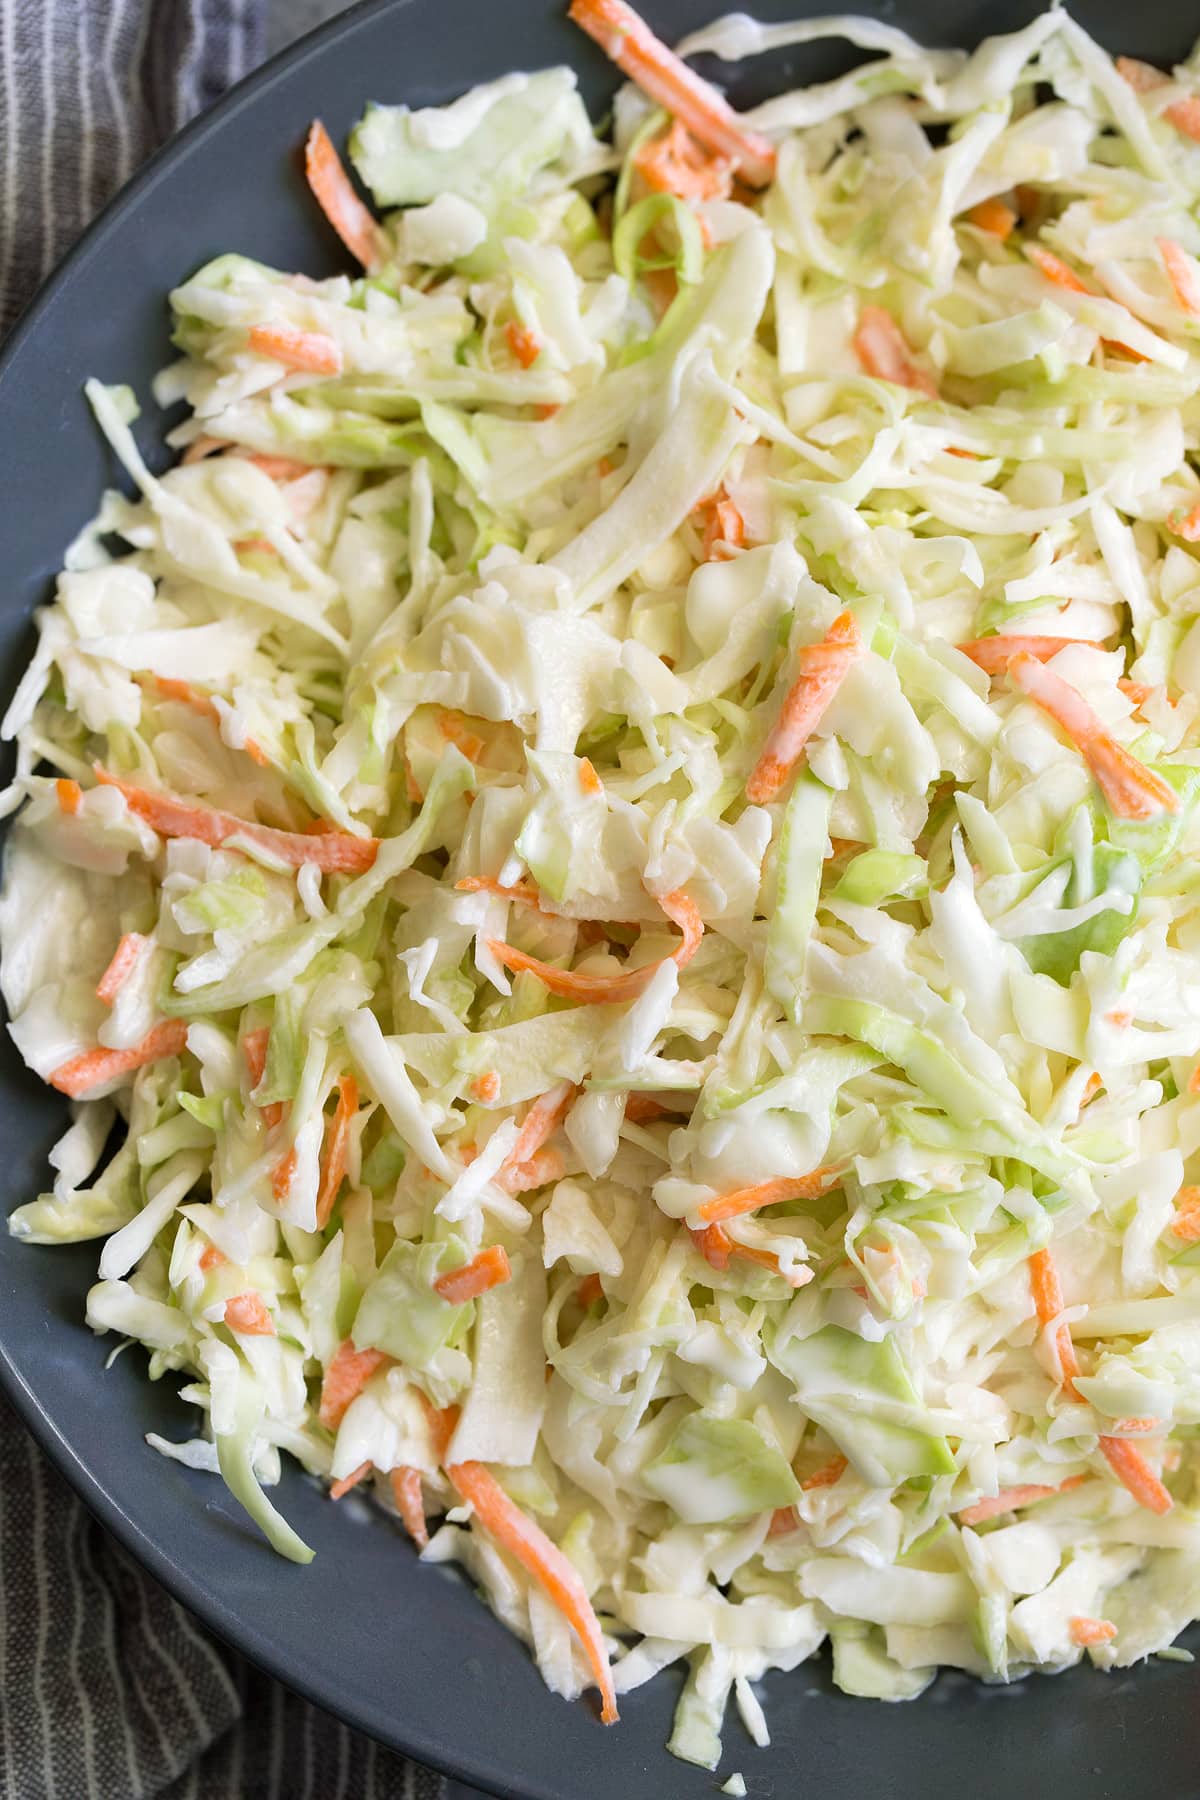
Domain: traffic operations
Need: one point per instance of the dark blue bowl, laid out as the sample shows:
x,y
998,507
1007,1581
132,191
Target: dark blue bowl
x,y
406,1653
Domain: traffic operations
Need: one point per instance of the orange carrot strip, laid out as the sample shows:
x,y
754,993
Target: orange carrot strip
x,y
1131,789
525,345
331,188
1186,1221
212,1258
456,731
767,1193
993,654
1048,1299
334,852
503,1519
1142,77
254,1050
337,1145
525,893
126,957
283,1174
643,1109
725,529
590,1289
1182,274
204,705
717,1247
880,347
589,781
1055,269
351,1480
282,468
345,1379
491,1268
822,669
486,1087
1185,525
69,795
406,1491
546,409
541,1122
1136,1427
541,1169
783,1520
1130,1467
676,164
309,352
1010,1499
993,217
629,42
610,989
95,1068
247,1312
1184,115
1086,1632
827,1475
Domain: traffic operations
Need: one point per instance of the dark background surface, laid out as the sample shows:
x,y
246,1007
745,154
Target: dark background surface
x,y
404,1652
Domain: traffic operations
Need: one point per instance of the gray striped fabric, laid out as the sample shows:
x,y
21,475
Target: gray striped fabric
x,y
108,1689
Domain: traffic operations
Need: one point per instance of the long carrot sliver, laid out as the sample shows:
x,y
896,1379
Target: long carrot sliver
x,y
993,217
541,1122
767,1193
337,1144
351,1480
1055,269
125,959
254,1050
283,1174
826,1475
525,893
1010,1499
1086,1632
542,1559
1182,274
248,1313
334,852
676,164
1048,1299
823,668
717,1247
1131,789
630,43
345,1378
69,795
308,352
1186,1220
596,990
95,1068
880,347
541,1169
491,1268
204,705
406,1491
330,185
1130,1467
993,654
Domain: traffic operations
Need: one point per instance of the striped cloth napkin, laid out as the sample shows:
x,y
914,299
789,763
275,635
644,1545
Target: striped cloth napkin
x,y
108,1689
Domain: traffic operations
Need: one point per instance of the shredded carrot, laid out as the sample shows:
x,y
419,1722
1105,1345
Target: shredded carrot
x,y
630,43
1055,269
1086,1632
345,1379
406,1492
590,1289
993,654
880,347
248,1313
1186,1220
1011,1499
126,957
827,1475
589,781
1048,1299
676,164
1186,525
525,893
725,530
254,1050
1184,115
525,345
783,1520
95,1068
822,669
521,1178
337,1146
282,468
1131,789
486,1087
993,217
541,1122
643,1109
69,795
337,199
491,1268
1182,274
283,1174
334,852
1094,1085
546,409
351,1480
211,1258
308,352
717,1247
1142,77
1136,1427
204,705
767,1193
610,989
503,1519
1130,1467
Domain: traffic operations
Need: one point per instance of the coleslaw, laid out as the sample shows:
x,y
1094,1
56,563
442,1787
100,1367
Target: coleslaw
x,y
607,862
